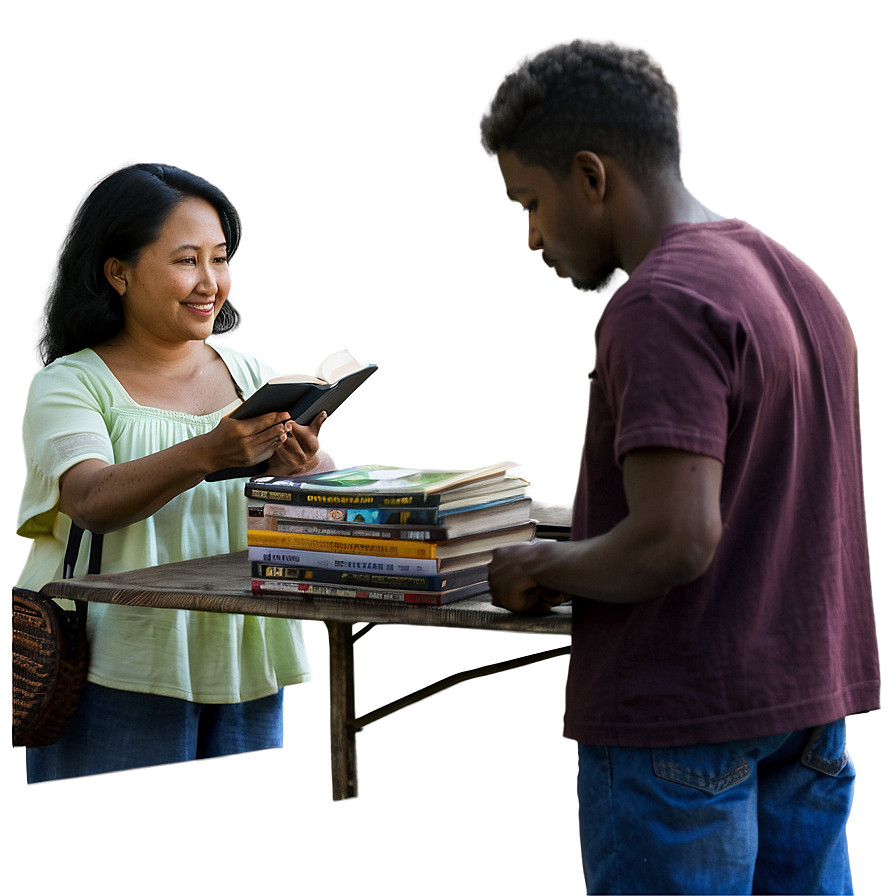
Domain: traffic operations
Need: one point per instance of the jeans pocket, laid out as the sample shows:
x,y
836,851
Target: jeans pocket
x,y
826,750
712,769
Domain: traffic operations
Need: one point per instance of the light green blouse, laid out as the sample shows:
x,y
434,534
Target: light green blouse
x,y
78,410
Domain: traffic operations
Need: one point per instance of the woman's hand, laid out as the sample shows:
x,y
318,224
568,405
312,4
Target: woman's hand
x,y
103,497
299,453
244,443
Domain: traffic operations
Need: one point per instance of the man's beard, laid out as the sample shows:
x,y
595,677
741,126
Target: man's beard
x,y
594,285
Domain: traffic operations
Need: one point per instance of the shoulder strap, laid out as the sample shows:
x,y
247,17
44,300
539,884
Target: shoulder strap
x,y
71,558
74,545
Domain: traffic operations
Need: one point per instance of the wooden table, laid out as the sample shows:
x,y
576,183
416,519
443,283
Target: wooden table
x,y
221,585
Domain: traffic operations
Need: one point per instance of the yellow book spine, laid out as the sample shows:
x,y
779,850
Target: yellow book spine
x,y
371,547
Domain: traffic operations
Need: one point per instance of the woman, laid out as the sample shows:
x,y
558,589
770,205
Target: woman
x,y
121,428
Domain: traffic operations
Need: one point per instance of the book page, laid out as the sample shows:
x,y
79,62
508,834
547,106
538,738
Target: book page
x,y
336,366
297,378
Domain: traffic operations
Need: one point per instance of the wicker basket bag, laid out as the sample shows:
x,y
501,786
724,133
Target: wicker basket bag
x,y
49,656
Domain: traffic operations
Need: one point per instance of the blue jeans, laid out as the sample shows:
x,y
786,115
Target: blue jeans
x,y
766,815
114,730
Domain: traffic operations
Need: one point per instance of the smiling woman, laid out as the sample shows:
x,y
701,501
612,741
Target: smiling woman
x,y
169,278
171,297
121,428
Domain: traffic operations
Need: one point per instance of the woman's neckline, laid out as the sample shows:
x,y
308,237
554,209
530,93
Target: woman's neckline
x,y
150,407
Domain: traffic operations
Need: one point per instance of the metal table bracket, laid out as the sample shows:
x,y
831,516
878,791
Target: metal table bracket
x,y
344,725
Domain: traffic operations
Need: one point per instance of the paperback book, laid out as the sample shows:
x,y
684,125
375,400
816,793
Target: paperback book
x,y
423,524
308,590
384,547
384,532
355,530
375,486
351,579
402,566
380,478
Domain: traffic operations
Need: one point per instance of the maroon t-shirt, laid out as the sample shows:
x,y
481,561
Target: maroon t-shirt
x,y
722,343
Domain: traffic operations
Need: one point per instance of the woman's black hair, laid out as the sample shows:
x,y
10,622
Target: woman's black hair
x,y
123,214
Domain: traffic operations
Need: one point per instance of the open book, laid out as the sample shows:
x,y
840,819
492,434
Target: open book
x,y
306,396
302,396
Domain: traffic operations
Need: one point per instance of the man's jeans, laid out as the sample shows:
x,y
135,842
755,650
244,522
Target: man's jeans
x,y
766,815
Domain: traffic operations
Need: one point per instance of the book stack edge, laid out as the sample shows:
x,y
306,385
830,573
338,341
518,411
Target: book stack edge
x,y
376,532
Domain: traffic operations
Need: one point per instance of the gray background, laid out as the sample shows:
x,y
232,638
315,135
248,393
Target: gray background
x,y
347,134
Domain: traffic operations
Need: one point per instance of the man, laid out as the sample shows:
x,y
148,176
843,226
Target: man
x,y
722,617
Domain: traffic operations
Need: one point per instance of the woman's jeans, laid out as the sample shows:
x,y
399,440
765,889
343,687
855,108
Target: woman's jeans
x,y
114,730
766,815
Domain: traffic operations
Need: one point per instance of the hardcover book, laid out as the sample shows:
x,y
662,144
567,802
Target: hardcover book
x,y
303,396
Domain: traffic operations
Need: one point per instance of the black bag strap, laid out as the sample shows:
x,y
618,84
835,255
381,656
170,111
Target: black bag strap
x,y
96,553
71,552
71,558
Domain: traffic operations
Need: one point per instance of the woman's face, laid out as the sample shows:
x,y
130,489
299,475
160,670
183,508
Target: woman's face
x,y
175,289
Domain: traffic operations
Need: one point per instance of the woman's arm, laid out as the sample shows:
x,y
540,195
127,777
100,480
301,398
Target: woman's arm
x,y
103,497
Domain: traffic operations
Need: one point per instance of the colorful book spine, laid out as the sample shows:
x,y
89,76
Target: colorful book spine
x,y
307,590
347,562
370,516
440,582
259,521
358,530
288,494
373,547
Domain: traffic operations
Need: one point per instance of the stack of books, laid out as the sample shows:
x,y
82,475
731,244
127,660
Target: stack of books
x,y
384,533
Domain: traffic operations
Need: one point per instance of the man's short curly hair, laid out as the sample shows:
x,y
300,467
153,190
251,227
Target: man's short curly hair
x,y
586,96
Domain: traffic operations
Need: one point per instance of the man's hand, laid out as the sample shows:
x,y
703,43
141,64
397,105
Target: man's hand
x,y
512,584
668,538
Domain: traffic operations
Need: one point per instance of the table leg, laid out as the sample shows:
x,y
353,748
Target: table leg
x,y
343,754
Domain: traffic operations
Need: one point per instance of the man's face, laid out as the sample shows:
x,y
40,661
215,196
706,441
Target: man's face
x,y
567,222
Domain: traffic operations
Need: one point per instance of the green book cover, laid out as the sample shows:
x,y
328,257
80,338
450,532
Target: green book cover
x,y
382,479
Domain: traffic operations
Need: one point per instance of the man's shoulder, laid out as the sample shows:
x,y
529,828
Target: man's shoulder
x,y
728,264
700,248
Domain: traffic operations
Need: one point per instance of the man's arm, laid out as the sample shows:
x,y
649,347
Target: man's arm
x,y
669,538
